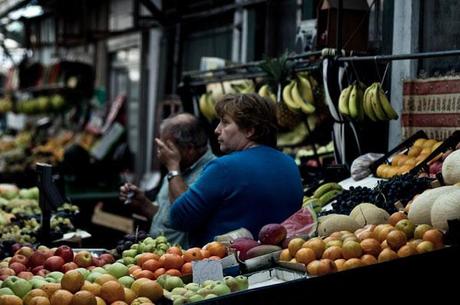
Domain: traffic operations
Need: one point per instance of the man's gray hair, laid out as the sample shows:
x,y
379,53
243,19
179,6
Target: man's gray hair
x,y
186,130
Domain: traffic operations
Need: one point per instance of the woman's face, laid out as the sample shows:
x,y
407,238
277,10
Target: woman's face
x,y
230,137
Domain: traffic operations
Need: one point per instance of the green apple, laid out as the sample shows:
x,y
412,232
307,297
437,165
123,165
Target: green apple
x,y
37,283
420,230
210,296
178,291
179,299
57,275
161,280
100,270
6,291
232,283
208,283
129,253
129,260
149,240
84,271
204,291
173,282
195,298
117,270
220,289
192,286
242,282
407,226
93,276
19,286
126,281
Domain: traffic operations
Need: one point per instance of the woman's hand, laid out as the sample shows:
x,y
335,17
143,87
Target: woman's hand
x,y
168,154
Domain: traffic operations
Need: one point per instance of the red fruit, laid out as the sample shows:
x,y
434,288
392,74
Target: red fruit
x,y
27,275
54,263
19,258
107,257
38,258
272,234
65,252
69,266
243,244
43,272
18,267
37,268
98,262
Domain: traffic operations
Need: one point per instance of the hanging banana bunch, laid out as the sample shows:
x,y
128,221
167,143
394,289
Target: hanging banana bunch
x,y
267,93
298,95
351,102
207,105
376,105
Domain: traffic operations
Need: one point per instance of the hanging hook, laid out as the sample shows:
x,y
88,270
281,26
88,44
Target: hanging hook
x,y
384,74
354,70
377,67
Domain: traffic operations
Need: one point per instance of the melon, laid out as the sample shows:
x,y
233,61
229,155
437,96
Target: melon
x,y
420,210
366,213
336,223
451,168
446,207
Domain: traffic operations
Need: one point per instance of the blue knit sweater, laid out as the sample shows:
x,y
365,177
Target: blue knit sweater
x,y
248,188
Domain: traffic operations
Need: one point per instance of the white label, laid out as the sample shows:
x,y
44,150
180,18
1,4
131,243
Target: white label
x,y
15,121
207,270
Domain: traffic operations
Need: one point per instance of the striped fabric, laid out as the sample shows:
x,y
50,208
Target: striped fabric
x,y
431,105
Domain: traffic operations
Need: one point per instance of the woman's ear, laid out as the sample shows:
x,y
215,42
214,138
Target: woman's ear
x,y
250,132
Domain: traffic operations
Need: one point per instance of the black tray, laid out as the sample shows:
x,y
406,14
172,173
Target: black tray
x,y
404,145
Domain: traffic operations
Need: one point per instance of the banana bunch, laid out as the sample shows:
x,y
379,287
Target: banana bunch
x,y
323,195
351,102
376,105
207,106
298,95
267,93
244,86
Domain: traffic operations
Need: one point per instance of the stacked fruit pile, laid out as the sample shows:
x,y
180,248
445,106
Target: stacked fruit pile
x,y
344,249
403,162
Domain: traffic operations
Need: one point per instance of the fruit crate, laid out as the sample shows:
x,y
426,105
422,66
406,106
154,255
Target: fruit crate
x,y
414,276
405,145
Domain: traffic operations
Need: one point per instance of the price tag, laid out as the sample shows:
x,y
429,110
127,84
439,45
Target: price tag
x,y
207,270
15,121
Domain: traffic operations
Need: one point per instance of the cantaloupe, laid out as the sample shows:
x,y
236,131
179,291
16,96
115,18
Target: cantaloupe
x,y
451,168
367,213
336,223
445,208
420,211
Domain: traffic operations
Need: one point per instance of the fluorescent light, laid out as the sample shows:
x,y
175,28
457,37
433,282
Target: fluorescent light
x,y
26,12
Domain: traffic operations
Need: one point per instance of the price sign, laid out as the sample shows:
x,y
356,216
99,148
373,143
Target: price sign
x,y
207,270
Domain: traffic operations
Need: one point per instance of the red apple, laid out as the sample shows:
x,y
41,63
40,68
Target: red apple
x,y
54,263
107,257
98,262
83,259
37,268
7,271
19,258
26,251
69,266
42,272
27,275
38,258
65,252
18,267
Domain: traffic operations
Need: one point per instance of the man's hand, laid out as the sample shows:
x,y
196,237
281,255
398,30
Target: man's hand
x,y
134,195
168,154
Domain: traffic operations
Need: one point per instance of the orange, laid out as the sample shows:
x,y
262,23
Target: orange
x,y
132,268
395,217
407,250
352,263
151,265
142,258
371,246
186,268
294,245
285,255
130,295
112,291
83,297
368,259
414,151
94,288
333,253
435,236
174,250
61,297
105,278
387,255
305,256
205,253
159,272
144,274
419,142
396,239
316,244
339,263
173,272
216,248
171,261
192,254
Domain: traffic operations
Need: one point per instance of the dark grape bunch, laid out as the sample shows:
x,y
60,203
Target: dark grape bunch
x,y
384,195
129,239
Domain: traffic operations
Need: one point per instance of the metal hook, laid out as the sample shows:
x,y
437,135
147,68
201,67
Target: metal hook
x,y
384,74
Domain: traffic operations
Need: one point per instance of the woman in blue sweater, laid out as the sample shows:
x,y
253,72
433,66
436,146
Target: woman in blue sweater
x,y
252,185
